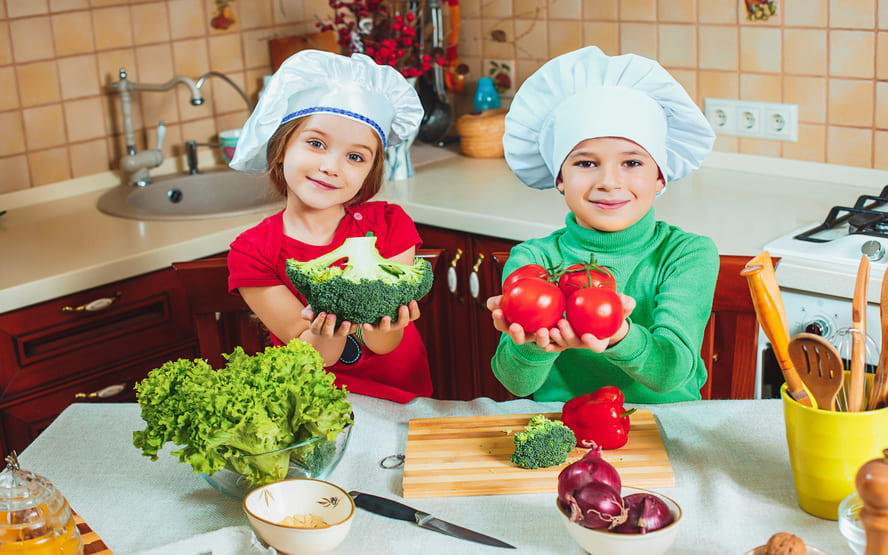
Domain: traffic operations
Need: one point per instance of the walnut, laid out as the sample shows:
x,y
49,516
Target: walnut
x,y
784,543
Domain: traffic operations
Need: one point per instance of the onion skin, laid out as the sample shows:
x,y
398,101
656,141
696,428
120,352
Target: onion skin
x,y
646,513
591,468
597,505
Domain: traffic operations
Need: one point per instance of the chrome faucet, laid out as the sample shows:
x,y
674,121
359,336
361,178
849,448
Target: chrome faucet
x,y
136,164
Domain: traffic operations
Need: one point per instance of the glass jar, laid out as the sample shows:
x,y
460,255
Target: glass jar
x,y
486,97
35,519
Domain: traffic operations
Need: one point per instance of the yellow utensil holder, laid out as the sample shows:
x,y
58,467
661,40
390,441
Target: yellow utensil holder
x,y
826,449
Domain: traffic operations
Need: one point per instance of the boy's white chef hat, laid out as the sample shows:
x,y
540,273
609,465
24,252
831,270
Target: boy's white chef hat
x,y
586,94
311,82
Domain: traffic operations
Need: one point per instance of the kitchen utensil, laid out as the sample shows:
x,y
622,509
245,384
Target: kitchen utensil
x,y
849,523
844,340
439,114
461,456
872,488
759,273
393,509
820,367
879,391
856,385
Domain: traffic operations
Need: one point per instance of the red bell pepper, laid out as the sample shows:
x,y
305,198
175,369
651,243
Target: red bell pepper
x,y
598,418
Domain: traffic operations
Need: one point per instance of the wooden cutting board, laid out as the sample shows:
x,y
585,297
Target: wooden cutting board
x,y
461,456
92,543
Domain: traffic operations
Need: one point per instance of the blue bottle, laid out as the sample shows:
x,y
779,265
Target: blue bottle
x,y
486,97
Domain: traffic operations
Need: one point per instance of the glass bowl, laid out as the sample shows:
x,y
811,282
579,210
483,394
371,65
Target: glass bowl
x,y
849,523
315,458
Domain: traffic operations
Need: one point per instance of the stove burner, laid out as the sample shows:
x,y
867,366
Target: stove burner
x,y
868,216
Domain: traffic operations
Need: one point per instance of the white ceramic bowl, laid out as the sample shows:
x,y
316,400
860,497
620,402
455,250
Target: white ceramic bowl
x,y
602,542
268,505
849,523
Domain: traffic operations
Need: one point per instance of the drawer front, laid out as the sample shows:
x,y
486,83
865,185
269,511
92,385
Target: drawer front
x,y
92,331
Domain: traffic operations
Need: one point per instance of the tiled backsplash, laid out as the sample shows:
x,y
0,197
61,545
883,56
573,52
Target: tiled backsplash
x,y
57,57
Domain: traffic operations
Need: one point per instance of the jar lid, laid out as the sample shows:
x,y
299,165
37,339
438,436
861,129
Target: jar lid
x,y
22,490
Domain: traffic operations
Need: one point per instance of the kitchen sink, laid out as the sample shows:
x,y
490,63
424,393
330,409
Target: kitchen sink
x,y
211,194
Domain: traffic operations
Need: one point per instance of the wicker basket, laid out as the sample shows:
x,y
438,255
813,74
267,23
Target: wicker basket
x,y
481,133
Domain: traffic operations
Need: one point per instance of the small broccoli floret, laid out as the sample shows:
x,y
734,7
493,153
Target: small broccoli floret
x,y
543,443
357,284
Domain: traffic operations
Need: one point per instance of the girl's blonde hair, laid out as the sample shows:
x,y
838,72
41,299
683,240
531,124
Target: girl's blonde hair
x,y
277,146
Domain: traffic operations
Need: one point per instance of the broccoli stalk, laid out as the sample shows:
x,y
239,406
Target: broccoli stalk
x,y
357,284
543,443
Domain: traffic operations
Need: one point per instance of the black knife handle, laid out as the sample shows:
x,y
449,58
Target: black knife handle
x,y
383,506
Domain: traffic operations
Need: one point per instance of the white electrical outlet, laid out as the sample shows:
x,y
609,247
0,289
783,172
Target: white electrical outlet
x,y
757,120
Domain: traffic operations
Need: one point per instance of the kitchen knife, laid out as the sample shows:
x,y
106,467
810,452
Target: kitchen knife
x,y
393,509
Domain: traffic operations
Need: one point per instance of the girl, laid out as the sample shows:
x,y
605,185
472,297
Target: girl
x,y
319,131
608,134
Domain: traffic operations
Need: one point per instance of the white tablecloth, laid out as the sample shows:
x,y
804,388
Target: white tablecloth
x,y
733,482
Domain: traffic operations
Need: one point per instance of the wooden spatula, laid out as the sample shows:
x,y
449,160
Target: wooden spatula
x,y
879,390
857,379
820,367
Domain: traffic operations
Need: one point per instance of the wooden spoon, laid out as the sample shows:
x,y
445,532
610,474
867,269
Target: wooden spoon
x,y
879,389
857,380
820,367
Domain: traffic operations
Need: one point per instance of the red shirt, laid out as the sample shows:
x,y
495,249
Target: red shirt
x,y
258,259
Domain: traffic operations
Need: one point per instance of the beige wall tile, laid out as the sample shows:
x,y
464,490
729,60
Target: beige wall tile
x,y
849,146
759,147
202,130
719,84
639,38
526,68
687,78
231,121
495,49
291,12
89,158
155,63
73,33
565,9
29,39
679,11
804,51
14,170
257,14
84,119
112,27
323,6
470,40
531,41
9,96
150,23
12,140
605,36
678,45
23,8
110,61
638,10
761,88
226,53
852,14
187,18
191,57
851,53
526,9
880,150
49,166
850,102
724,143
882,55
811,145
601,10
5,44
44,126
78,76
881,119
804,13
883,15
564,36
67,5
497,8
255,44
761,49
225,98
718,11
38,83
718,47
100,3
809,93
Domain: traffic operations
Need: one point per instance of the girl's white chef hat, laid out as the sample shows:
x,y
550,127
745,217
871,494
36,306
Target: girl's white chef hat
x,y
586,94
311,82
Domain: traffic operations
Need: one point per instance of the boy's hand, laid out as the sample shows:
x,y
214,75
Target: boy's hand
x,y
542,337
565,337
406,314
324,324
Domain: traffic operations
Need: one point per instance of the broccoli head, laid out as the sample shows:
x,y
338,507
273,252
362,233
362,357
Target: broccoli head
x,y
543,443
357,284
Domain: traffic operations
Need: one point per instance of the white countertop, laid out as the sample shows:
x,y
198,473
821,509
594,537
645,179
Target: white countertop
x,y
54,241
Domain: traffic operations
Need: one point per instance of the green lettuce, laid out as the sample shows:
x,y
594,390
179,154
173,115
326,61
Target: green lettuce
x,y
255,404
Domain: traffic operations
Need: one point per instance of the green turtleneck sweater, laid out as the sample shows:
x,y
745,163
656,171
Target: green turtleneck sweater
x,y
671,275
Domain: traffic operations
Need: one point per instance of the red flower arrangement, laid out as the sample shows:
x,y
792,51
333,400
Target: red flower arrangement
x,y
388,36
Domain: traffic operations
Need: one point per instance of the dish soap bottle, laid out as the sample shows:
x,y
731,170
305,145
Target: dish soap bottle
x,y
486,97
35,519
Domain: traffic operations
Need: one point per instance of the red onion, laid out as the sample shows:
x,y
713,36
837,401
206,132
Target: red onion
x,y
646,513
591,468
597,505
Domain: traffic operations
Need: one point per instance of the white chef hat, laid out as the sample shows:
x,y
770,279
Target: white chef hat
x,y
586,94
313,81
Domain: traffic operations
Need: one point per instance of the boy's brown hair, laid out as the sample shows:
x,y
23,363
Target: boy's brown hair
x,y
277,145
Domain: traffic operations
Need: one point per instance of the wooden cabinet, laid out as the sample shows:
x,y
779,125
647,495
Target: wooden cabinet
x,y
88,346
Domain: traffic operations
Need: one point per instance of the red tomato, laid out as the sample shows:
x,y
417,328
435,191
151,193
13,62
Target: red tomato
x,y
577,277
533,303
530,270
595,310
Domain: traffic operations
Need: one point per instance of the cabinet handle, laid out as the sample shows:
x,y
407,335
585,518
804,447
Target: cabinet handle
x,y
93,306
452,277
104,393
474,282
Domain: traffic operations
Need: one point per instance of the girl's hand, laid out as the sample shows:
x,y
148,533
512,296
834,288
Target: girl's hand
x,y
565,337
324,324
542,337
406,314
